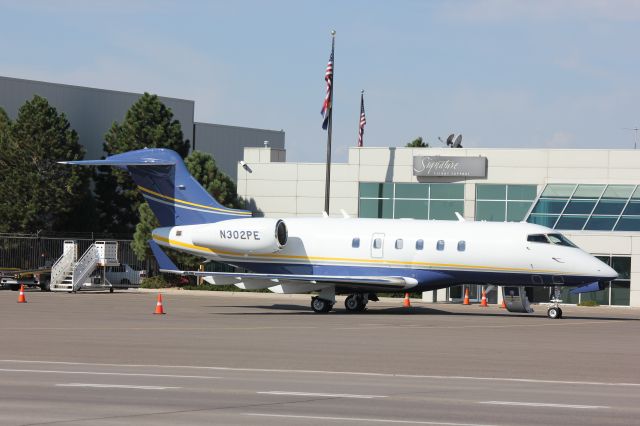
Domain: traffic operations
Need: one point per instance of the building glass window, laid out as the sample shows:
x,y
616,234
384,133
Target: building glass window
x,y
411,200
588,207
616,292
376,208
499,203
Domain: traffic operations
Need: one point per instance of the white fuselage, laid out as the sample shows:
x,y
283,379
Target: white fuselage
x,y
435,253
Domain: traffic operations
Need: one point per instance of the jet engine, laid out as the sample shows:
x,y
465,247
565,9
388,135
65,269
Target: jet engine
x,y
251,235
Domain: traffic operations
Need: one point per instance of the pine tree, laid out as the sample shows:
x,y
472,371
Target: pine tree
x,y
203,168
37,193
147,124
5,125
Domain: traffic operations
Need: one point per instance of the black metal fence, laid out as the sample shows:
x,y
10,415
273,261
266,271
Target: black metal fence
x,y
33,251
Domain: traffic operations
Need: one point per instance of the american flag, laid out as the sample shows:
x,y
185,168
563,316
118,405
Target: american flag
x,y
328,77
363,120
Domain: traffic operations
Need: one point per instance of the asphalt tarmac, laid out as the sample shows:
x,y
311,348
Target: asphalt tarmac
x,y
105,359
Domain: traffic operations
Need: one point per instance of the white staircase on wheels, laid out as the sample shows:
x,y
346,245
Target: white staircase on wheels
x,y
70,273
62,270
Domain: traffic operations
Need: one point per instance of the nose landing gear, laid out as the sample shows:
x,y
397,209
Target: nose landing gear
x,y
554,311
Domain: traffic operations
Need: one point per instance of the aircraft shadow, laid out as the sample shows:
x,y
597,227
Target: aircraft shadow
x,y
414,310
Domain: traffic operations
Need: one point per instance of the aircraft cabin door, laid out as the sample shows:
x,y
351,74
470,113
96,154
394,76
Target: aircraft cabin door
x,y
377,245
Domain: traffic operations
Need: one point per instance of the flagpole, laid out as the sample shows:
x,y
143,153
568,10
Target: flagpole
x,y
327,188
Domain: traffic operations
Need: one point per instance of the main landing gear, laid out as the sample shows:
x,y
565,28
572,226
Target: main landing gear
x,y
554,311
321,306
323,303
356,302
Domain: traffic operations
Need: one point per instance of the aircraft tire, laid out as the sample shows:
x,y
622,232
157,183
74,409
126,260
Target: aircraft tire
x,y
554,313
320,306
352,304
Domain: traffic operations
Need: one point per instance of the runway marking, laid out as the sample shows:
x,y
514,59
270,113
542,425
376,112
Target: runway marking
x,y
324,372
332,395
366,420
546,405
104,373
103,385
332,327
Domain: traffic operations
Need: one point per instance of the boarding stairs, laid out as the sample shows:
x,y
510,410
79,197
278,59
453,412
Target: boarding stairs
x,y
71,274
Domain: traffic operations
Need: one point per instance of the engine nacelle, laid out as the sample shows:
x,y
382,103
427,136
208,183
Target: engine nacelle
x,y
252,235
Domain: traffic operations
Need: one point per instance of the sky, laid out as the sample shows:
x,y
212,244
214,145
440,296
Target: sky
x,y
503,73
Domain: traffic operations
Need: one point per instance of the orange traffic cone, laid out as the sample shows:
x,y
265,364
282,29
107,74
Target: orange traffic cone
x,y
159,310
407,302
466,297
483,302
504,305
21,298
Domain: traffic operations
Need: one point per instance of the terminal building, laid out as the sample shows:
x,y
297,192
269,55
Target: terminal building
x,y
590,195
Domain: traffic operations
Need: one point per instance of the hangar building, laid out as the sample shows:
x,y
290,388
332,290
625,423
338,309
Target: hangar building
x,y
591,195
91,113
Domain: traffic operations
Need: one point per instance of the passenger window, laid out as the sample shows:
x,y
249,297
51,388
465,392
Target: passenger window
x,y
399,244
440,245
355,243
419,245
537,238
377,243
462,245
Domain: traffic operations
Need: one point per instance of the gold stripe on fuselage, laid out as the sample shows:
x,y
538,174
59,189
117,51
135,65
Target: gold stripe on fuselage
x,y
276,256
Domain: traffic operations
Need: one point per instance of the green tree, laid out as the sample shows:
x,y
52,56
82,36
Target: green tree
x,y
148,124
36,193
203,168
5,124
417,143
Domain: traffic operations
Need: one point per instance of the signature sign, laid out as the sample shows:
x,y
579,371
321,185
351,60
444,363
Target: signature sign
x,y
450,166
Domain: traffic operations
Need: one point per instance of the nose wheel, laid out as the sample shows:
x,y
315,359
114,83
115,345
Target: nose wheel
x,y
554,311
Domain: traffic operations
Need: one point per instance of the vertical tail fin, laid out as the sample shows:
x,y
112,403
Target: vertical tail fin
x,y
175,197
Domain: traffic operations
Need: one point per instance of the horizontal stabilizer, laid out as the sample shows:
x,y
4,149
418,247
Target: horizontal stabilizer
x,y
121,162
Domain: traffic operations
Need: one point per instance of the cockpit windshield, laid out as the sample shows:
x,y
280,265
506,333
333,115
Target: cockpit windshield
x,y
537,238
560,240
557,239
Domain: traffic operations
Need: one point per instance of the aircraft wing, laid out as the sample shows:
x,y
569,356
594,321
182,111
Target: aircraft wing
x,y
258,280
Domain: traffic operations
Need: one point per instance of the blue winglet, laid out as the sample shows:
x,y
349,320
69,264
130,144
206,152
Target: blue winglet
x,y
164,262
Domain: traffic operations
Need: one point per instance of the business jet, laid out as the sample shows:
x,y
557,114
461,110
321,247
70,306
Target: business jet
x,y
353,256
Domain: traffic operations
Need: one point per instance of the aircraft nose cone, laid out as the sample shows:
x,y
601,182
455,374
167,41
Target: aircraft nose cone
x,y
606,272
